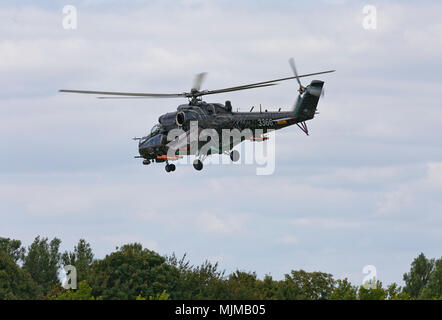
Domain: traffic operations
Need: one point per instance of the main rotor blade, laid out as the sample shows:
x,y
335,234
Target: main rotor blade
x,y
260,84
194,93
293,65
129,94
199,78
143,97
202,93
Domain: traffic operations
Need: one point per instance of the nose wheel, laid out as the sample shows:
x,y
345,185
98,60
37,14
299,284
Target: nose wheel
x,y
170,167
198,165
234,155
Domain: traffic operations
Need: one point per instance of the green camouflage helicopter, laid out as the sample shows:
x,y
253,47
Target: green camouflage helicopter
x,y
171,138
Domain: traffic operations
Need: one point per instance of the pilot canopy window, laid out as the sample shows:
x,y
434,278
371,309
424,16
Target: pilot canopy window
x,y
155,130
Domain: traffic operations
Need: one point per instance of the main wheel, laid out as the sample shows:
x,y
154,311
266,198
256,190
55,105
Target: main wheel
x,y
167,168
172,167
198,165
146,162
234,155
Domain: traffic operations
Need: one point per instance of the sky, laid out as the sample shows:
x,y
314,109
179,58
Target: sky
x,y
363,189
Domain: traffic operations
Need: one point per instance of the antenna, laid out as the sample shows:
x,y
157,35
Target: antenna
x,y
252,108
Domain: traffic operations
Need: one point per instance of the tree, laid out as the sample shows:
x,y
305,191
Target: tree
x,y
377,293
84,292
81,258
15,283
195,282
12,248
344,291
418,277
160,296
433,288
133,272
268,288
130,272
243,286
395,292
43,262
302,285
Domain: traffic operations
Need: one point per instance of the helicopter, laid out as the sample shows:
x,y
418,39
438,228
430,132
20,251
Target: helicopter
x,y
159,147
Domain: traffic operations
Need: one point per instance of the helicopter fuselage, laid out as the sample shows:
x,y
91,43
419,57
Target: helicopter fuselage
x,y
175,131
213,116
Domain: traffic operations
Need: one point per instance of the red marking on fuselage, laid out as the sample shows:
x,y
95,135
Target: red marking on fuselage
x,y
164,157
259,138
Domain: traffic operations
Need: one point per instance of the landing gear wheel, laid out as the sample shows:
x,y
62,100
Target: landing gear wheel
x,y
198,165
146,162
234,155
168,168
172,167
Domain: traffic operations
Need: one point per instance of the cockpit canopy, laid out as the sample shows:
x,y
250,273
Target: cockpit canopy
x,y
155,130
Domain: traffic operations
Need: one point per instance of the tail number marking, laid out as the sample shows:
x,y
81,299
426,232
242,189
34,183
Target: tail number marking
x,y
265,122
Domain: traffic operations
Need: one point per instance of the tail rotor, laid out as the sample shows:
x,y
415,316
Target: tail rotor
x,y
301,89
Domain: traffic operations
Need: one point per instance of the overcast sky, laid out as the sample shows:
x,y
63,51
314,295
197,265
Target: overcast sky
x,y
363,189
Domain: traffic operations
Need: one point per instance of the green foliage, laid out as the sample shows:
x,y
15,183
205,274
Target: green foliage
x,y
433,288
15,283
268,288
160,296
133,272
12,248
418,277
81,258
43,262
129,272
195,282
344,291
302,285
377,293
394,292
84,292
243,286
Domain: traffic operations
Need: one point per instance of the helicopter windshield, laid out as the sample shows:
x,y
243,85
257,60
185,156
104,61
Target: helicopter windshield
x,y
155,130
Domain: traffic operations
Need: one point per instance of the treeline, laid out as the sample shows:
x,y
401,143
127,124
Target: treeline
x,y
133,272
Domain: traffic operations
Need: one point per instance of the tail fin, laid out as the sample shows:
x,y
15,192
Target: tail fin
x,y
305,107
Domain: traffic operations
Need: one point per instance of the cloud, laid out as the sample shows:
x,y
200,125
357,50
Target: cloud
x,y
203,221
434,175
216,259
319,223
411,198
288,239
211,223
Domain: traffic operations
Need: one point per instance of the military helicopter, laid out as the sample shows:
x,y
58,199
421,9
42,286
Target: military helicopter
x,y
157,147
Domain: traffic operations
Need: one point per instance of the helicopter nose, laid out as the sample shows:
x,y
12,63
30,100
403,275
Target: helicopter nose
x,y
144,149
149,145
